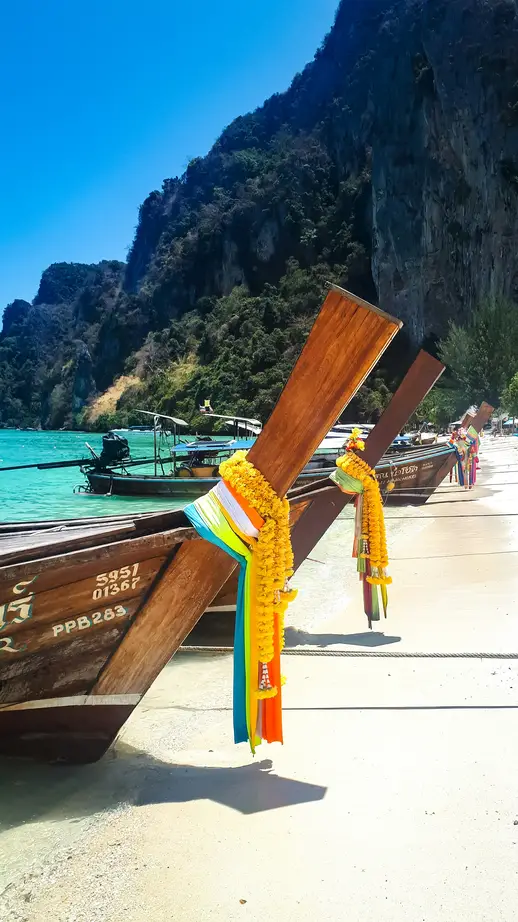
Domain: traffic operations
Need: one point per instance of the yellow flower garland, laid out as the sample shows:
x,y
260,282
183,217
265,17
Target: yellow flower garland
x,y
373,522
273,552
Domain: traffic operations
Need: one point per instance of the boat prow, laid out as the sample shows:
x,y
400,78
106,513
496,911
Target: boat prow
x,y
90,614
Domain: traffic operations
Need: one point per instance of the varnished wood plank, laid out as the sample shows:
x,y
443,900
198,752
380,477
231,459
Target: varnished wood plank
x,y
65,602
57,629
422,375
102,588
350,339
195,575
313,524
161,519
346,340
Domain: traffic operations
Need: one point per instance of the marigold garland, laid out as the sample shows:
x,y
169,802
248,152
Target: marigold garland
x,y
371,543
244,516
273,552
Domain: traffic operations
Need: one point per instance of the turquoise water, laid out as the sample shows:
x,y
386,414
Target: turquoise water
x,y
28,495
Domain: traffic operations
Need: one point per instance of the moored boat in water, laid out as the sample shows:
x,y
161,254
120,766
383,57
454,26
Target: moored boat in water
x,y
403,475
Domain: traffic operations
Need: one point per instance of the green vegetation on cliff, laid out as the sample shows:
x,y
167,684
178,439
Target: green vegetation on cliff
x,y
235,257
389,166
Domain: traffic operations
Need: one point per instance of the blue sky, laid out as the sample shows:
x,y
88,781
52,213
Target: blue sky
x,y
103,99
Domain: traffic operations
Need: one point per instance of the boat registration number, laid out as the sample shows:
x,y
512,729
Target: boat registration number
x,y
86,621
109,584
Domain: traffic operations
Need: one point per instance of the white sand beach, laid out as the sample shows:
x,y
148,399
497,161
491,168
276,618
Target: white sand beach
x,y
394,796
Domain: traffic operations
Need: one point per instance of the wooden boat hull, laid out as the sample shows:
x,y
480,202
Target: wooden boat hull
x,y
186,488
48,670
91,613
413,473
87,582
72,733
67,598
60,585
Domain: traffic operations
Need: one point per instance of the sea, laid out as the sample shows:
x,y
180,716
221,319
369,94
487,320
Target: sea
x,y
28,495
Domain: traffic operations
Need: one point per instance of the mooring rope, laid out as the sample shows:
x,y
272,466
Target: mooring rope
x,y
386,654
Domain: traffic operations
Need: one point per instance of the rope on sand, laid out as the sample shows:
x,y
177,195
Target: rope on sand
x,y
388,654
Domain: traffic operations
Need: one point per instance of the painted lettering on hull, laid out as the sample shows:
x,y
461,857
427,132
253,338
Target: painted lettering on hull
x,y
116,581
16,611
83,622
6,646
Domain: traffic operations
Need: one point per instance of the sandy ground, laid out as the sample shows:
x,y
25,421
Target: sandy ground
x,y
394,796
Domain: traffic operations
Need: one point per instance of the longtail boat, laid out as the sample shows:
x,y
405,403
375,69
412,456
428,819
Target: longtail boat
x,y
324,501
59,698
405,476
188,482
91,613
409,469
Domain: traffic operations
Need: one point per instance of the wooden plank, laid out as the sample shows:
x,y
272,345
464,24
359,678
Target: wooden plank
x,y
313,524
346,340
138,518
48,639
64,734
70,668
64,569
58,605
17,548
56,629
305,413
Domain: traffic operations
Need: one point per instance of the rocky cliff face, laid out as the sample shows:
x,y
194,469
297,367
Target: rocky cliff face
x,y
426,91
390,166
443,127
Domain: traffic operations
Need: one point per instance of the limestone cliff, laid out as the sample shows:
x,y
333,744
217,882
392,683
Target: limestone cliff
x,y
390,166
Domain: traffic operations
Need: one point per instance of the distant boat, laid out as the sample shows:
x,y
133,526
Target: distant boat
x,y
403,476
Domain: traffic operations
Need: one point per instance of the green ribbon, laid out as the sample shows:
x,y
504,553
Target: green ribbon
x,y
346,482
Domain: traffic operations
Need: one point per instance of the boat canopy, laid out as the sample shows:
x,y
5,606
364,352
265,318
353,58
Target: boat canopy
x,y
253,425
236,419
216,447
173,419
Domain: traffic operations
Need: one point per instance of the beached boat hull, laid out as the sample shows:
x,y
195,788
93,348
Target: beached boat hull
x,y
93,609
91,613
411,477
68,596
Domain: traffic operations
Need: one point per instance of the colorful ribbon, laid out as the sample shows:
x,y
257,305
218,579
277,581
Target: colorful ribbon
x,y
226,519
466,446
354,476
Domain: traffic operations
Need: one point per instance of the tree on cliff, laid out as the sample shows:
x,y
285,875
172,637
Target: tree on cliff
x,y
509,398
481,357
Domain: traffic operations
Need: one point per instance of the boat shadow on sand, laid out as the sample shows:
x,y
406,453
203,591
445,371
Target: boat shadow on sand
x,y
34,793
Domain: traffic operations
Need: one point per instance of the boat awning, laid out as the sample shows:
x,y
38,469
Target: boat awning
x,y
214,447
173,419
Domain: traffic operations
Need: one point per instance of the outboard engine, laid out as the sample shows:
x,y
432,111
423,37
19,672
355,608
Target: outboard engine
x,y
115,450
